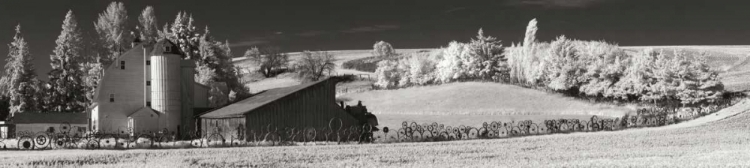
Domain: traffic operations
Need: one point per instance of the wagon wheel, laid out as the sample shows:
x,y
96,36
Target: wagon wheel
x,y
428,135
533,129
144,139
335,124
409,131
441,127
92,144
491,134
401,133
595,126
215,139
42,140
416,136
413,124
462,129
452,136
435,125
494,126
485,125
430,128
473,133
26,143
61,140
482,132
65,127
310,134
108,141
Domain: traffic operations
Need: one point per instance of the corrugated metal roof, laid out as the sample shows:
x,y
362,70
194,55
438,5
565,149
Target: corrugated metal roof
x,y
31,118
256,101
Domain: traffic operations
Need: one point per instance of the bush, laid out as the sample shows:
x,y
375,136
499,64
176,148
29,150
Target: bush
x,y
367,64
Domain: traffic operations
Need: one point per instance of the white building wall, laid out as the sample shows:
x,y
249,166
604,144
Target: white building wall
x,y
165,89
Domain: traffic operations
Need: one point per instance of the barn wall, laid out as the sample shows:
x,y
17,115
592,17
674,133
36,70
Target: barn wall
x,y
79,129
312,107
127,85
226,127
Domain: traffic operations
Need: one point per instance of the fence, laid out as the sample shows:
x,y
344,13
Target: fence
x,y
334,133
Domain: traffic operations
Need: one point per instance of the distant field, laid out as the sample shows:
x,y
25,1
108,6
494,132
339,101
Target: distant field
x,y
722,143
477,98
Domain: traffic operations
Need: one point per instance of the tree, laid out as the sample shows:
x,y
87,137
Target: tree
x,y
20,78
383,49
111,27
486,60
269,60
183,33
214,64
68,92
148,29
315,65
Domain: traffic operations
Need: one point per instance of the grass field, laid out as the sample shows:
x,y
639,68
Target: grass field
x,y
468,103
721,143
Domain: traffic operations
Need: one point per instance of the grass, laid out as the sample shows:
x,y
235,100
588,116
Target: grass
x,y
722,143
477,98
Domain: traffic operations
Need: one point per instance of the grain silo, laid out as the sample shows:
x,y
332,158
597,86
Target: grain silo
x,y
165,85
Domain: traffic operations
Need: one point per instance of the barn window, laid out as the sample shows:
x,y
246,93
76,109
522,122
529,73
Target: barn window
x,y
122,64
148,62
148,103
112,97
51,129
148,83
167,49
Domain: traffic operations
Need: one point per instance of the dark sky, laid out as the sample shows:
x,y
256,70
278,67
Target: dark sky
x,y
357,24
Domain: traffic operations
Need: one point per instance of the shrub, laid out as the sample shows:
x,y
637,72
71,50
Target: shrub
x,y
383,49
314,65
367,64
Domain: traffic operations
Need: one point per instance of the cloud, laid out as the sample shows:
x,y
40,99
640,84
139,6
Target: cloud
x,y
556,3
247,43
375,28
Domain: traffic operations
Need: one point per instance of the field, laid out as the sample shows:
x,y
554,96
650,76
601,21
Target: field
x,y
469,102
720,142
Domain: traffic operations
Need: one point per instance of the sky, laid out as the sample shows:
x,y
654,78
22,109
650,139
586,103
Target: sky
x,y
358,24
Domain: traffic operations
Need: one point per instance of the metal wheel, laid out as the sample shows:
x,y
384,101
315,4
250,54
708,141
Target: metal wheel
x,y
310,134
42,140
65,127
92,144
26,143
473,133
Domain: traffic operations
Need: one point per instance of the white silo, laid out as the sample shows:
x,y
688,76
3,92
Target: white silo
x,y
165,86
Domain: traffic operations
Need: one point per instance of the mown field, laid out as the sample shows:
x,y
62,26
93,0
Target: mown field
x,y
721,143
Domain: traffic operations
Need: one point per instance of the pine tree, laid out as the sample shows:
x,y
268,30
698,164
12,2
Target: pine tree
x,y
112,29
20,78
148,29
68,91
183,33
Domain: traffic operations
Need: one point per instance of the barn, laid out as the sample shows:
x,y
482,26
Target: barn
x,y
30,122
305,106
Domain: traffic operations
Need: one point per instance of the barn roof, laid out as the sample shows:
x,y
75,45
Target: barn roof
x,y
256,101
33,118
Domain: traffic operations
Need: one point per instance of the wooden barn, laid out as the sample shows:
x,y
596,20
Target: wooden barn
x,y
310,105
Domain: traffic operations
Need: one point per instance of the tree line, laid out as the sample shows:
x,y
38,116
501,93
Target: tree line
x,y
593,69
78,62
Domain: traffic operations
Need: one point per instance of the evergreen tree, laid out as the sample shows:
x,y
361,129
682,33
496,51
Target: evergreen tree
x,y
183,33
111,27
20,78
68,88
148,29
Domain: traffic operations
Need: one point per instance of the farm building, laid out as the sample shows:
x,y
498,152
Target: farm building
x,y
310,105
30,122
149,88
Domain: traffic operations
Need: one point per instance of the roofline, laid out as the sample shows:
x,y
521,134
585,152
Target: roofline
x,y
269,102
